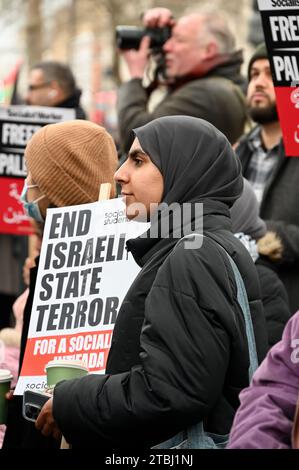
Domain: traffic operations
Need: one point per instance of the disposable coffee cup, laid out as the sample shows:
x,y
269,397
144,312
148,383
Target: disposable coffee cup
x,y
58,370
5,379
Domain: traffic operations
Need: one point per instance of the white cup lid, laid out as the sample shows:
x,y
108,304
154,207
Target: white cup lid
x,y
67,363
5,375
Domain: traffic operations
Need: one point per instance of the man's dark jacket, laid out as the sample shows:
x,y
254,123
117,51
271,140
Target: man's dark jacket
x,y
280,209
179,353
275,300
216,97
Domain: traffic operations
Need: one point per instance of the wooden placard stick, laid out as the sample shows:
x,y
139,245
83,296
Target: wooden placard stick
x,y
64,444
105,191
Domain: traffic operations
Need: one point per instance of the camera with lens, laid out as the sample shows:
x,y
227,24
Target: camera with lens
x,y
129,37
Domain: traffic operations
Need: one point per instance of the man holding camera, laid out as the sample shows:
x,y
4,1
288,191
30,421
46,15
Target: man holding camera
x,y
202,72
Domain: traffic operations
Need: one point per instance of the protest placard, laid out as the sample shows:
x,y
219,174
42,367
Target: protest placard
x,y
83,275
17,125
280,20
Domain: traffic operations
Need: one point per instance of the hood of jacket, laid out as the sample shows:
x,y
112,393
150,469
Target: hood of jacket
x,y
229,67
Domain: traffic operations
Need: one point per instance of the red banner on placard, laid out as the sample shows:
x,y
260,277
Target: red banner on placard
x,y
287,99
13,219
91,348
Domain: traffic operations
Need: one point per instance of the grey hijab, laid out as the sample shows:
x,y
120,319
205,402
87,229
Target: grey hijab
x,y
245,214
196,160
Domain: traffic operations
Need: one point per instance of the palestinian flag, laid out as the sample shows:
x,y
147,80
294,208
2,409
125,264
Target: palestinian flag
x,y
8,86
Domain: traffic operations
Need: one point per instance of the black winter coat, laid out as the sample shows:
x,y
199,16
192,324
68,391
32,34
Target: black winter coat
x,y
275,301
279,209
159,381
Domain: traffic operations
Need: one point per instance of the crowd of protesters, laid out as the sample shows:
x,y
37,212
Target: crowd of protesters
x,y
202,351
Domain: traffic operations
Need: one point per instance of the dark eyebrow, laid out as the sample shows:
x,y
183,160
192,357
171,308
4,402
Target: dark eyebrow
x,y
267,68
137,153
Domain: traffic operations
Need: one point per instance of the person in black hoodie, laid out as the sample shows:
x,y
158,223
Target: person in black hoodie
x,y
179,353
53,84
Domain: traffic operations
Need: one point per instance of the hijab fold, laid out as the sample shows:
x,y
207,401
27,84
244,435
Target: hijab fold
x,y
195,159
245,214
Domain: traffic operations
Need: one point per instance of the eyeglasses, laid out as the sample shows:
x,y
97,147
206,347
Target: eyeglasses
x,y
37,87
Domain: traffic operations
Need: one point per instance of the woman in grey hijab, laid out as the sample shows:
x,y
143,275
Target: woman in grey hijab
x,y
245,214
179,353
265,249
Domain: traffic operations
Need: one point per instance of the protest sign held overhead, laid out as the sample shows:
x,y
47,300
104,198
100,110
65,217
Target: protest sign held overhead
x,y
280,20
17,125
84,273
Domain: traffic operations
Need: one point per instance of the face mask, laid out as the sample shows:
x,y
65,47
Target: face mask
x,y
31,208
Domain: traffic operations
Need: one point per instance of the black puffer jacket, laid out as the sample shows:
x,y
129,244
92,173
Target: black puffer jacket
x,y
275,301
186,365
179,352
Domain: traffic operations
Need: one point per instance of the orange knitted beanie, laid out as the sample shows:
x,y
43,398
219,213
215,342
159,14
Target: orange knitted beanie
x,y
69,161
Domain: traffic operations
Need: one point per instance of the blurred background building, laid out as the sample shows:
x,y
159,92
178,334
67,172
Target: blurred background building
x,y
81,33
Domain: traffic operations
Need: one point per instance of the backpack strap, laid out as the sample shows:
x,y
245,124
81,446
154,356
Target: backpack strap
x,y
244,305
